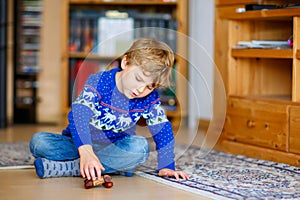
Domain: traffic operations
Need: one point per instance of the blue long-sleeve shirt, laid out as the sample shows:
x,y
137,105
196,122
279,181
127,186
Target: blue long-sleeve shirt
x,y
102,114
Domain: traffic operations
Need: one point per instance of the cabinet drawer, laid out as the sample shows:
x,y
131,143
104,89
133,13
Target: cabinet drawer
x,y
295,129
257,122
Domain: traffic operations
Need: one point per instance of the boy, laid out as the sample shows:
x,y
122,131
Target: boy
x,y
100,137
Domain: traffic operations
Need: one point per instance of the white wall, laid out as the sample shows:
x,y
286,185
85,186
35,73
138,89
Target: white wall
x,y
201,67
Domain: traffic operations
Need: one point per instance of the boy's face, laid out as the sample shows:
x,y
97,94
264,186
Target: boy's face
x,y
133,83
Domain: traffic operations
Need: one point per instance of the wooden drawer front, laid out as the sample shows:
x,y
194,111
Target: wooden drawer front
x,y
260,123
295,129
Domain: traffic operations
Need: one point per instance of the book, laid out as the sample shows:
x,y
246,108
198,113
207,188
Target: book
x,y
115,34
79,72
83,32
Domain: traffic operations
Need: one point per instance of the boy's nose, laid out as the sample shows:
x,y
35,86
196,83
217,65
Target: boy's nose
x,y
141,89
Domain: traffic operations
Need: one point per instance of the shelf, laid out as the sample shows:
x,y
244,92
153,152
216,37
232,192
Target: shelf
x,y
28,23
232,2
298,54
82,55
285,99
263,53
283,14
103,2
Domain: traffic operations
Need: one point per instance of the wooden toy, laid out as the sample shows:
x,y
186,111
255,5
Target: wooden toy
x,y
105,181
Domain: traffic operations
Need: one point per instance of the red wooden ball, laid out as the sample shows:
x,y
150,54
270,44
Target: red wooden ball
x,y
108,184
88,184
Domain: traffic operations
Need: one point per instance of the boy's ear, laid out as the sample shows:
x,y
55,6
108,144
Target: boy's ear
x,y
124,62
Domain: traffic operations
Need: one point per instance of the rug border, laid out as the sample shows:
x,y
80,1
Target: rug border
x,y
181,187
17,167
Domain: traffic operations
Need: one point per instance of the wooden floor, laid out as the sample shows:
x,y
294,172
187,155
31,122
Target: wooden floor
x,y
24,184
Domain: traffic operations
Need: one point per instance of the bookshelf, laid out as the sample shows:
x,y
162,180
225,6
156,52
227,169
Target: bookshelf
x,y
262,84
95,15
28,23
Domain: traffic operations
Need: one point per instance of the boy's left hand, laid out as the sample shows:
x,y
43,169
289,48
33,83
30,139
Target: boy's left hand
x,y
176,174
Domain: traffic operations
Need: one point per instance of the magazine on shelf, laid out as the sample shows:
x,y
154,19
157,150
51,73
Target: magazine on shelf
x,y
263,44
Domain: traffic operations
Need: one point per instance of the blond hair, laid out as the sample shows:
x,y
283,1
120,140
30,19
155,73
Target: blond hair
x,y
155,58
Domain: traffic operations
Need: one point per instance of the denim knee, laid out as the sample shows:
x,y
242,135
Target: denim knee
x,y
145,148
53,146
36,141
138,144
140,149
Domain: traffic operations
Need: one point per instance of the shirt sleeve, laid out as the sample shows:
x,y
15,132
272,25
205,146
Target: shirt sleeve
x,y
82,109
161,130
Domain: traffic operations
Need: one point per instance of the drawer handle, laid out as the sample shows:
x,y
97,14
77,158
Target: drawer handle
x,y
250,123
267,125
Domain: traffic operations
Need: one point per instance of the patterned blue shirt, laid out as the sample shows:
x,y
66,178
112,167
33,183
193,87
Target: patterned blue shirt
x,y
102,114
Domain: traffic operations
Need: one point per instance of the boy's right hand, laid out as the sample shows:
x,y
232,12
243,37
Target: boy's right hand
x,y
90,166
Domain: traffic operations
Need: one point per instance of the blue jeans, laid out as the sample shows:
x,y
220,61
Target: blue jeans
x,y
121,156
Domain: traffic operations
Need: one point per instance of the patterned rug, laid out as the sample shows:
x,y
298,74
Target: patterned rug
x,y
225,176
214,174
15,155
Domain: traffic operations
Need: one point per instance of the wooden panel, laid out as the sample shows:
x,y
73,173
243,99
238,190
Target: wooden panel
x,y
272,14
296,61
234,36
48,109
294,129
260,77
260,153
232,2
221,47
262,53
10,64
260,30
64,56
182,75
272,30
257,122
297,53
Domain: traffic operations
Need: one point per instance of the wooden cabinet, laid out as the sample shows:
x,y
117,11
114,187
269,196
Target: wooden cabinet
x,y
257,122
262,83
178,10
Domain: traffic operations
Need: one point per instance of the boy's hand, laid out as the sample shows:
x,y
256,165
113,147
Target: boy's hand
x,y
176,174
90,166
